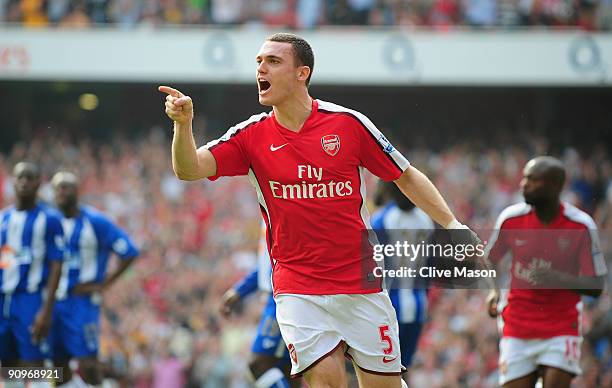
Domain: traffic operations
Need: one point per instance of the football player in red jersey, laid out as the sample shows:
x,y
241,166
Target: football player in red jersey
x,y
306,160
555,259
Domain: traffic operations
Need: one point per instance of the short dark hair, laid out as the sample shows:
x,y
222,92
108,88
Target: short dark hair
x,y
302,52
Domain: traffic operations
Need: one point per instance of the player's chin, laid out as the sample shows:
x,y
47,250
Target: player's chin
x,y
265,100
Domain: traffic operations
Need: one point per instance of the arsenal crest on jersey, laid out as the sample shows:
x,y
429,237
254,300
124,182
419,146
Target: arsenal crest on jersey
x,y
331,144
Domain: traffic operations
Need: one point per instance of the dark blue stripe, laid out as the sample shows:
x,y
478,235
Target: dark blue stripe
x,y
28,228
73,241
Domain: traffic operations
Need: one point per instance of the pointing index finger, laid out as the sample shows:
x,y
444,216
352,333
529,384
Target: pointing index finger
x,y
171,91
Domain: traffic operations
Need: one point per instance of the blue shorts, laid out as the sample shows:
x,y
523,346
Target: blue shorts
x,y
17,314
409,334
269,340
76,328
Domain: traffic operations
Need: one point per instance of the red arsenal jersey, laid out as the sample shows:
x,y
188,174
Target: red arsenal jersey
x,y
311,192
568,244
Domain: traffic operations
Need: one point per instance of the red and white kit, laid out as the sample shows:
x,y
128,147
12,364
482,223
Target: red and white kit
x,y
542,326
311,192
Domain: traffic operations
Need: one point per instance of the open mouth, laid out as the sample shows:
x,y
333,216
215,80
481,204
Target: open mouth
x,y
263,85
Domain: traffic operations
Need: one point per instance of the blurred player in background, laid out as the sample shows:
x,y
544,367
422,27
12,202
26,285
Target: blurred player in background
x,y
399,220
306,159
541,328
90,239
270,364
31,243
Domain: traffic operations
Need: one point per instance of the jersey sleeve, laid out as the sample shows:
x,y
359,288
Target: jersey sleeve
x,y
591,256
497,246
54,239
247,285
231,150
377,154
117,240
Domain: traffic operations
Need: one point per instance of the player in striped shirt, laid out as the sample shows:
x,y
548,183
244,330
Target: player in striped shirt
x,y
270,356
400,221
556,258
31,246
90,240
306,160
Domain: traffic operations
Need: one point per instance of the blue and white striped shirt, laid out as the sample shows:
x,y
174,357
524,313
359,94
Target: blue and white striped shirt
x,y
29,240
90,239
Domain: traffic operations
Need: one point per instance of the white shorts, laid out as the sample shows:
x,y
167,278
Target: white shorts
x,y
520,357
313,326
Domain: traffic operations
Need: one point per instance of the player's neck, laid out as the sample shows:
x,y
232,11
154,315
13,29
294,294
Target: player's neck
x,y
25,203
548,211
71,211
294,112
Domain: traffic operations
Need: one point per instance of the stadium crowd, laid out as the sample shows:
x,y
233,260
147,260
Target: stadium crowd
x,y
161,326
588,15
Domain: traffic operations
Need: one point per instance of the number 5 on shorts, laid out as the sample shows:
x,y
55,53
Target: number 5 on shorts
x,y
385,338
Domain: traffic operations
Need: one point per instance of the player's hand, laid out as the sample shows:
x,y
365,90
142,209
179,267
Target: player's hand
x,y
40,327
492,301
464,236
87,288
545,277
179,107
229,302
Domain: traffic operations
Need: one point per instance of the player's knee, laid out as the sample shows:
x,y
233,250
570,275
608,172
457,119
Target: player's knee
x,y
90,371
259,365
66,370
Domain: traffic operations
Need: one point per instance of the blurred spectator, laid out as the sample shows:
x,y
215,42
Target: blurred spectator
x,y
480,13
126,13
34,13
77,16
604,15
360,11
308,13
226,12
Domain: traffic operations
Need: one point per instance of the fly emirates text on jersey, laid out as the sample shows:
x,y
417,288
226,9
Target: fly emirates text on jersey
x,y
311,186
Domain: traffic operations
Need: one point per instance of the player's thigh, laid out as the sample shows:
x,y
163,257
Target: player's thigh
x,y
79,329
371,380
556,378
25,307
528,381
328,372
8,344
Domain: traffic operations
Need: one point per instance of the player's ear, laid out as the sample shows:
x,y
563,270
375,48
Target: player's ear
x,y
303,73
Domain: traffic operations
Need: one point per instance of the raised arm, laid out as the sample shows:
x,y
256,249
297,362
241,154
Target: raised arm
x,y
189,162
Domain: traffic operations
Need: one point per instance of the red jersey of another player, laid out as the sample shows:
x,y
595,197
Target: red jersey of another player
x,y
568,244
311,192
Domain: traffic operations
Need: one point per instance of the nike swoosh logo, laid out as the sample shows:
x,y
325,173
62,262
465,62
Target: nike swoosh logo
x,y
387,360
272,148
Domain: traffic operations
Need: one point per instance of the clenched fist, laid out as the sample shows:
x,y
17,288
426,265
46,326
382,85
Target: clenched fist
x,y
179,107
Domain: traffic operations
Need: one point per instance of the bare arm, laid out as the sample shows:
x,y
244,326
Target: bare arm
x,y
42,322
189,162
419,189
